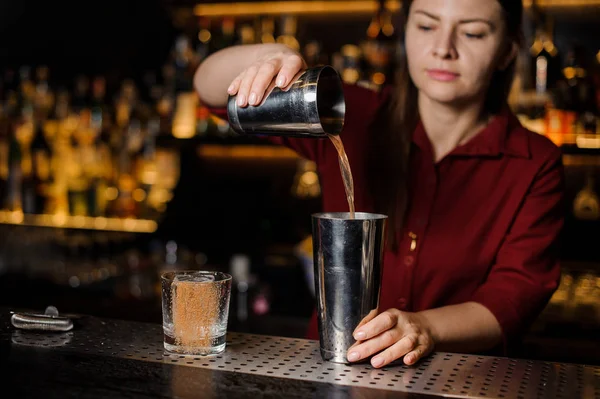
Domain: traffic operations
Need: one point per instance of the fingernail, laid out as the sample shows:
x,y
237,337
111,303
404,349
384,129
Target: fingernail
x,y
409,359
230,89
281,82
252,99
353,356
360,335
376,361
241,100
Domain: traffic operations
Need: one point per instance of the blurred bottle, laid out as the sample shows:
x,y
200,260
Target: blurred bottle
x,y
574,96
100,112
596,78
239,268
24,135
26,88
125,205
4,146
350,64
314,55
247,34
44,97
80,97
147,170
380,47
183,61
225,37
41,156
288,37
545,65
203,40
15,174
266,30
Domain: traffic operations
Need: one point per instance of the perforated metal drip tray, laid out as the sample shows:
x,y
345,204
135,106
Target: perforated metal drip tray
x,y
442,374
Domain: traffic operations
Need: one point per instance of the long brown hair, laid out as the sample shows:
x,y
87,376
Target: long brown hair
x,y
392,128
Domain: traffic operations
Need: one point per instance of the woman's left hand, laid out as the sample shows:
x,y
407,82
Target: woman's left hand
x,y
393,333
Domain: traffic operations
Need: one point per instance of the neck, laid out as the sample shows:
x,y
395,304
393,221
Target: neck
x,y
448,126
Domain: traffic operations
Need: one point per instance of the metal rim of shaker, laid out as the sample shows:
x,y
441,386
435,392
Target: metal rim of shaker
x,y
319,71
357,216
232,115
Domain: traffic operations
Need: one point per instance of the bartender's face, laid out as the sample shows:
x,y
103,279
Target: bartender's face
x,y
454,46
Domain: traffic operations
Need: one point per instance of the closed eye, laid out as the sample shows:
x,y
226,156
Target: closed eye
x,y
425,28
475,35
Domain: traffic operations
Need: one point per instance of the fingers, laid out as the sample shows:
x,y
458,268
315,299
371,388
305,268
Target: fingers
x,y
376,326
407,344
263,79
246,84
377,344
423,349
235,85
290,67
366,319
251,85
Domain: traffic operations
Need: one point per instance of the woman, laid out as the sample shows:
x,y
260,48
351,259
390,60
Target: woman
x,y
474,199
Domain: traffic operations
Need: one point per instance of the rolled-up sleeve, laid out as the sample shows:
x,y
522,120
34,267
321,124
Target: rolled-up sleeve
x,y
527,270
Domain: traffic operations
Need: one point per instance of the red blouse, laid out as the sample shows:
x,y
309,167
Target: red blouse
x,y
486,217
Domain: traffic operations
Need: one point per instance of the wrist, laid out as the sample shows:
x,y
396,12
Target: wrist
x,y
426,323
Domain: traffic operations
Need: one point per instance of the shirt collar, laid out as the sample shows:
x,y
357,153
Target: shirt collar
x,y
496,138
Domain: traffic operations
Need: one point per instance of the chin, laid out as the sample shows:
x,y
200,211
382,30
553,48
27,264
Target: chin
x,y
445,93
442,96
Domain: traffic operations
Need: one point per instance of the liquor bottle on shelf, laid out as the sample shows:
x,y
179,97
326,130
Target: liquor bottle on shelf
x,y
267,30
80,97
573,96
183,61
313,54
26,87
24,135
146,169
4,145
204,40
350,64
545,65
380,46
15,174
124,206
226,37
288,36
41,155
99,110
44,97
247,34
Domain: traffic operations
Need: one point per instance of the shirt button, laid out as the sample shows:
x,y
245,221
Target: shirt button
x,y
409,260
401,303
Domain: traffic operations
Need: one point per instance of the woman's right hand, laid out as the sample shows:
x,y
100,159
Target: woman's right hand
x,y
252,83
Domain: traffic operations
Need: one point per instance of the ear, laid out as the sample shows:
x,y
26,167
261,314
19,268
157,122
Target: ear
x,y
509,56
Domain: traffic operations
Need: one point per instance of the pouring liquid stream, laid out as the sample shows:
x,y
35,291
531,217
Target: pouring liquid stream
x,y
345,171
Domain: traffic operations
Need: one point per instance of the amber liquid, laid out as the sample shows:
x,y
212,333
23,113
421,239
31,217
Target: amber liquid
x,y
345,170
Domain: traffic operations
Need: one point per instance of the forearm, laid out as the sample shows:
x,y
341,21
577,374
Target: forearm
x,y
468,327
216,72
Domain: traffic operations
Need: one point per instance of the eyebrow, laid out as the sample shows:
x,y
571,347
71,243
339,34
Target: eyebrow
x,y
462,21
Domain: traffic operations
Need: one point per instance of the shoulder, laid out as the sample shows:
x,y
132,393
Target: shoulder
x,y
533,146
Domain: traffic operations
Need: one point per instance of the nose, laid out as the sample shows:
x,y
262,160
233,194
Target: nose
x,y
444,47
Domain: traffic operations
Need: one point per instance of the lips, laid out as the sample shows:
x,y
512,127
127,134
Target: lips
x,y
442,75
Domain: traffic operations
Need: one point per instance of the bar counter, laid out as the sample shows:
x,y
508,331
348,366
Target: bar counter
x,y
106,358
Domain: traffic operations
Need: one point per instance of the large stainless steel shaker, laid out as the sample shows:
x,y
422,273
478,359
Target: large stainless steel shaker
x,y
312,106
348,256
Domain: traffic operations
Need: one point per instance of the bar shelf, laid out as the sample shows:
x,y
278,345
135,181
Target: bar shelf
x,y
78,222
